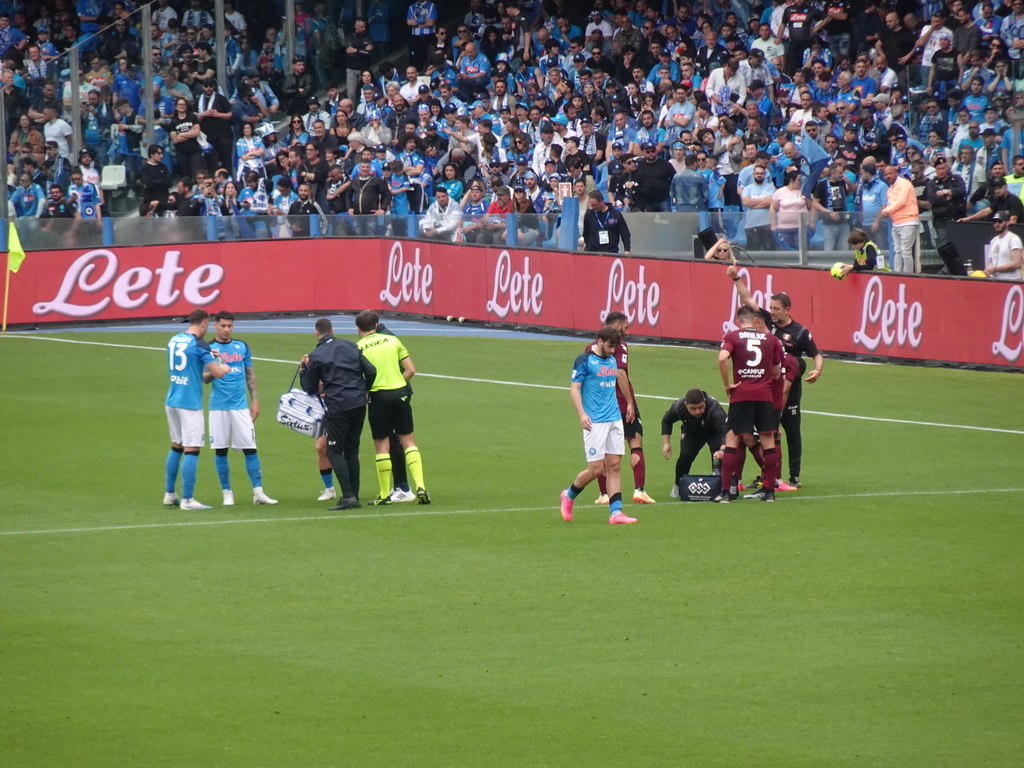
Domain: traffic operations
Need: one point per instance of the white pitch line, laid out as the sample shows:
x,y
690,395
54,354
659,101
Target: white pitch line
x,y
446,512
561,388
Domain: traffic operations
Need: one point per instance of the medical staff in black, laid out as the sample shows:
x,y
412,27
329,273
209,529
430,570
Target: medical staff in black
x,y
797,341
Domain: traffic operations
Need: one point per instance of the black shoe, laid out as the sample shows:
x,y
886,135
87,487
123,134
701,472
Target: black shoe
x,y
760,495
347,502
734,493
721,499
758,482
421,496
381,501
795,482
768,496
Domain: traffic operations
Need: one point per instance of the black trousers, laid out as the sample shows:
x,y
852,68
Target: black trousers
x,y
344,428
690,447
791,424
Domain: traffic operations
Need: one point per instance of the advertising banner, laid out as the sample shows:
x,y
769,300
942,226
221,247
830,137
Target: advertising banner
x,y
882,315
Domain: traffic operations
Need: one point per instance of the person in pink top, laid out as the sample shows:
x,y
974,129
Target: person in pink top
x,y
788,203
906,220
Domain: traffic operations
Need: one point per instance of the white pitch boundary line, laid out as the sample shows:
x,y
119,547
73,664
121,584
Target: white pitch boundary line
x,y
446,512
562,389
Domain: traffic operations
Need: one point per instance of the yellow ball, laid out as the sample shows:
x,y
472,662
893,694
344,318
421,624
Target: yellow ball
x,y
837,271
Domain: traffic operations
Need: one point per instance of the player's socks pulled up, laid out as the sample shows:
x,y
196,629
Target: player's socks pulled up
x,y
573,491
327,476
729,460
771,469
383,463
220,463
252,466
414,466
639,469
171,471
602,484
189,465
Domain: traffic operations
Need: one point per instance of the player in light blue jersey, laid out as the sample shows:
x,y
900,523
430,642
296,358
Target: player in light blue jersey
x,y
188,356
231,414
85,195
593,394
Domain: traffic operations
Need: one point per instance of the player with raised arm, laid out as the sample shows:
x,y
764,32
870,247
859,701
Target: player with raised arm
x,y
594,379
755,364
632,427
231,414
188,356
781,387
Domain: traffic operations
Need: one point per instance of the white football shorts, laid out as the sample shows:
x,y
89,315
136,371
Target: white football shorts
x,y
232,429
602,438
186,425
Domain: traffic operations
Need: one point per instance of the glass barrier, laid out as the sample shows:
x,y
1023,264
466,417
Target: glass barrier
x,y
813,239
59,234
138,231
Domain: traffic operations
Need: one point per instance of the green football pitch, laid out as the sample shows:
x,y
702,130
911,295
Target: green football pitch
x,y
872,618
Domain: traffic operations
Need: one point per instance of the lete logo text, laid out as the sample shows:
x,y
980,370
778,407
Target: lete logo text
x,y
1011,335
97,271
887,321
407,281
517,291
638,300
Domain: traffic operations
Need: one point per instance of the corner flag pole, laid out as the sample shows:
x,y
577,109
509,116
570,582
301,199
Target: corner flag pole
x,y
15,256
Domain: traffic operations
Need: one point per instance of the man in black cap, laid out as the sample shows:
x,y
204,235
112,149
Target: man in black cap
x,y
948,197
1003,261
999,199
654,181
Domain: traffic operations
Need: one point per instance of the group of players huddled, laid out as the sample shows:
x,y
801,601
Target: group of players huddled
x,y
761,363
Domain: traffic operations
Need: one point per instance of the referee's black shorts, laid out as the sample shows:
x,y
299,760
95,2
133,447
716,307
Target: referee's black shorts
x,y
390,412
749,415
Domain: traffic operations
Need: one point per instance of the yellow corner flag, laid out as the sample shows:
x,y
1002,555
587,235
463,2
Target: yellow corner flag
x,y
15,253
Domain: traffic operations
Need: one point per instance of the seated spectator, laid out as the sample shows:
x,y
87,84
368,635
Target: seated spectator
x,y
442,219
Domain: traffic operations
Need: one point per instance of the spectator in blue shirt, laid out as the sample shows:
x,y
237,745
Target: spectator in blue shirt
x,y
474,73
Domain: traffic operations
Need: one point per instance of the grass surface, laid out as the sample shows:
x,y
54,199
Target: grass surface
x,y
871,619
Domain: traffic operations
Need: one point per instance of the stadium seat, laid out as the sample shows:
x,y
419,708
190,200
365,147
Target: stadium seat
x,y
113,178
115,189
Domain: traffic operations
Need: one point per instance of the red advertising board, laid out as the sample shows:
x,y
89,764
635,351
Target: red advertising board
x,y
881,315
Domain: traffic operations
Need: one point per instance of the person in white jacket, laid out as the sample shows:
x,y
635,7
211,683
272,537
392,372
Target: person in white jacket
x,y
442,218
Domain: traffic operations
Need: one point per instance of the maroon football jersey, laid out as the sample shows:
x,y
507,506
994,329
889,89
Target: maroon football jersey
x,y
790,370
753,356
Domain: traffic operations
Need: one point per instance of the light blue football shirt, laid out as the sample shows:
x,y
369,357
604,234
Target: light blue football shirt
x,y
187,356
597,375
229,391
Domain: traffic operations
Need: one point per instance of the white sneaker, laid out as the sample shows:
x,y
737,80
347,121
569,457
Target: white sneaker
x,y
259,497
398,495
674,493
229,498
170,500
192,504
327,494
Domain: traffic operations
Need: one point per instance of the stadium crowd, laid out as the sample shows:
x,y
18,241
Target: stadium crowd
x,y
753,112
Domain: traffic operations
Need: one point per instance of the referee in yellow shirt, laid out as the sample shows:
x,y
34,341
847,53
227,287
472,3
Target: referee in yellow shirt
x,y
390,410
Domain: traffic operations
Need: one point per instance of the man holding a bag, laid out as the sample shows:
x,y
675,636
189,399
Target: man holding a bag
x,y
345,375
